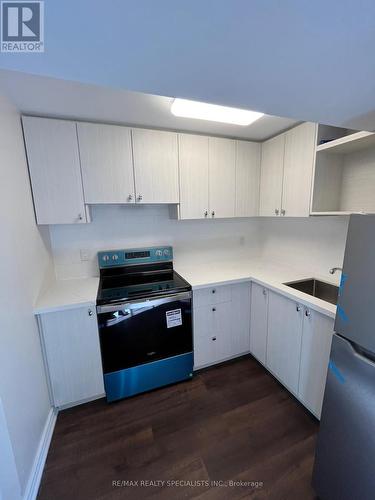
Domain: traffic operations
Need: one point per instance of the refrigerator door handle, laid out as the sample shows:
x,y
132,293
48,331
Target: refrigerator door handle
x,y
360,354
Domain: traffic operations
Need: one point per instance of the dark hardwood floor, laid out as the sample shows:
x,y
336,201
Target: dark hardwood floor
x,y
233,422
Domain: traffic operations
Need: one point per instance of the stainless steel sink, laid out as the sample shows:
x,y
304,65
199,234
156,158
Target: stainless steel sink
x,y
316,288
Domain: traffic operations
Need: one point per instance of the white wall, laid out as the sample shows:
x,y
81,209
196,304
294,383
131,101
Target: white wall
x,y
24,263
125,227
313,244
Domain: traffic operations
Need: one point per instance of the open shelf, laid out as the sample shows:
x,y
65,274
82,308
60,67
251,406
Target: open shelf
x,y
349,143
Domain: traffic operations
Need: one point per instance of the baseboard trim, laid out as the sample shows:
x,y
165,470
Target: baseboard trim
x,y
33,483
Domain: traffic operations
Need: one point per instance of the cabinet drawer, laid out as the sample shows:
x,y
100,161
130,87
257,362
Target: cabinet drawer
x,y
212,295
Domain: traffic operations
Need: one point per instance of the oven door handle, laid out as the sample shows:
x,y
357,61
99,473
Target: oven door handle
x,y
143,303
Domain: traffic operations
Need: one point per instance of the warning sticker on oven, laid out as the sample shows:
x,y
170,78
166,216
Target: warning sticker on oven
x,y
174,318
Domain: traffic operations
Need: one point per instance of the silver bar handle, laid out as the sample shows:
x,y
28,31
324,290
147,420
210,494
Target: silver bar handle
x,y
143,303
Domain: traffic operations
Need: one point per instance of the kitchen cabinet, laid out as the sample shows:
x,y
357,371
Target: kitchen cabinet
x,y
284,338
298,170
286,172
221,323
271,177
155,166
315,351
55,174
258,322
70,343
247,178
222,177
193,163
106,163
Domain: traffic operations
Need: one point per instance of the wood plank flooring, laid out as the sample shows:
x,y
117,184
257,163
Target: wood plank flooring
x,y
233,422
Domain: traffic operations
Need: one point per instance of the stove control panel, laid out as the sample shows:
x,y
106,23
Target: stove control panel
x,y
131,256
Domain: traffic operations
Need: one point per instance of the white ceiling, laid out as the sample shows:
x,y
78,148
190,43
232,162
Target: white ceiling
x,y
51,97
307,60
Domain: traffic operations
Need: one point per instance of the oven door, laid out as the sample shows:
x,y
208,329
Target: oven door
x,y
139,332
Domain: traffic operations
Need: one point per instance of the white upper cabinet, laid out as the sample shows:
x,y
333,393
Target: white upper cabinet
x,y
271,178
155,166
193,159
286,172
247,178
298,170
222,177
53,158
106,163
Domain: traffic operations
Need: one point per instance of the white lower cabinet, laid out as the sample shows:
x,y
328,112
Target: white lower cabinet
x,y
316,347
221,323
293,342
72,354
258,322
284,339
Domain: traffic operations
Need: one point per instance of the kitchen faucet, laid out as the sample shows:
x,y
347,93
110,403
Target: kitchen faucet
x,y
334,269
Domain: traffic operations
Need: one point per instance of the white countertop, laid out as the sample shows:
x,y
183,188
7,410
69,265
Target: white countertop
x,y
67,294
270,275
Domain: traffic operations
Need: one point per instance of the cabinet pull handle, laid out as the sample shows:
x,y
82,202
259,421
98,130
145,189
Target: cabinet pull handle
x,y
213,338
206,213
298,308
80,217
213,213
307,313
130,197
264,292
213,290
276,211
282,211
139,197
90,312
214,309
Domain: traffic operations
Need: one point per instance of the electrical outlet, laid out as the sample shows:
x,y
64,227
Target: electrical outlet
x,y
85,255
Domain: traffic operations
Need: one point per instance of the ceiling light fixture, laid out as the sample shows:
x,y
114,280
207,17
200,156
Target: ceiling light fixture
x,y
212,112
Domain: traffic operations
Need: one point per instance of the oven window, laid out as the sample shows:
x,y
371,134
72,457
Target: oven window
x,y
133,337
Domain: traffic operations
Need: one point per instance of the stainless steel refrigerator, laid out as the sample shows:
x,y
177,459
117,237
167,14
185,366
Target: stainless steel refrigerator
x,y
344,466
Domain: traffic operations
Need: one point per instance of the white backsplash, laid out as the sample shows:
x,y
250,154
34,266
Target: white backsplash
x,y
116,226
313,244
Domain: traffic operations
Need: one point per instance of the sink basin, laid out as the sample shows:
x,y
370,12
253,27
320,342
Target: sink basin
x,y
316,288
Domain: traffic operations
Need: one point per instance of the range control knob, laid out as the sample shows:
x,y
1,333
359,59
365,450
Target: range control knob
x,y
115,257
166,252
158,253
106,258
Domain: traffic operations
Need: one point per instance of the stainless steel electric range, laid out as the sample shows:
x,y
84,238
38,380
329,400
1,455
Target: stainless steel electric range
x,y
145,321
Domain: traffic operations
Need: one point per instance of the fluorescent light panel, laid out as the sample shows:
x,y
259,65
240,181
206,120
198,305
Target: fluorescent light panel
x,y
212,112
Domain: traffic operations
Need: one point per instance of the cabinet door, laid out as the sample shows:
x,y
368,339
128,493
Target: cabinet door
x,y
298,170
193,162
71,343
284,339
205,341
271,176
222,177
316,347
258,322
53,158
240,319
247,178
106,162
155,166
